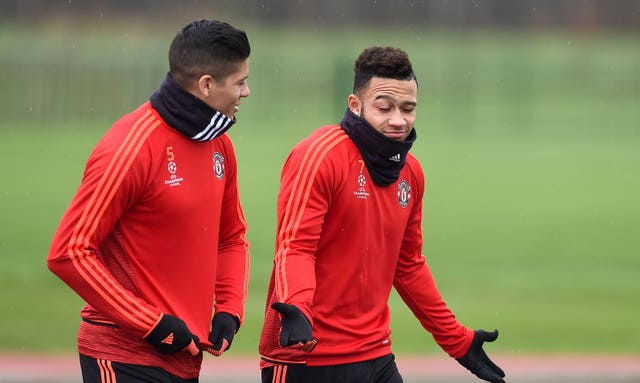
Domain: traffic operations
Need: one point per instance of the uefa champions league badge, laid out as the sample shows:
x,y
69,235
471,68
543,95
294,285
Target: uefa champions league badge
x,y
218,165
404,193
172,169
361,193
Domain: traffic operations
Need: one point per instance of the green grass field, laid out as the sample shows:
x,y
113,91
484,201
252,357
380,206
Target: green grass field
x,y
529,142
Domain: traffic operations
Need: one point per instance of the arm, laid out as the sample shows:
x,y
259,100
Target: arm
x,y
233,263
303,202
302,206
103,196
109,186
233,249
415,284
419,291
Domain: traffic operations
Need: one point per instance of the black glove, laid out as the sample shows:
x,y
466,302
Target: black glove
x,y
172,335
477,361
223,328
295,329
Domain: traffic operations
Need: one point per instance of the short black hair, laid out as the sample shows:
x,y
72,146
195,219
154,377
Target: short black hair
x,y
207,47
384,62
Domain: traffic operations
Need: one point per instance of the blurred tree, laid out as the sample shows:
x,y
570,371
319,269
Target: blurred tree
x,y
587,14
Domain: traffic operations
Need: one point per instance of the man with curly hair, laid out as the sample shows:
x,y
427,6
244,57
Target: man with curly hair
x,y
350,229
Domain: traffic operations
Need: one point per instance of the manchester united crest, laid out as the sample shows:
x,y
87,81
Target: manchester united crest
x,y
404,193
218,165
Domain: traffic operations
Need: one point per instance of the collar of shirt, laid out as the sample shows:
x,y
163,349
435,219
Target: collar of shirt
x,y
383,156
188,114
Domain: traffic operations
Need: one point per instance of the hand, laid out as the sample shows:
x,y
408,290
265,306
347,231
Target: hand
x,y
477,361
295,329
172,335
223,328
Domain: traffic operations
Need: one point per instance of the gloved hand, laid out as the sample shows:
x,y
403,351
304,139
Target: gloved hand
x,y
223,327
477,361
295,329
172,335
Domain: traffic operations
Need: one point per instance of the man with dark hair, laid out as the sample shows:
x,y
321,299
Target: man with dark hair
x,y
350,229
154,240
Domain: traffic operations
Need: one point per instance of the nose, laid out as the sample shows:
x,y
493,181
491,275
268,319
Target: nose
x,y
245,91
396,120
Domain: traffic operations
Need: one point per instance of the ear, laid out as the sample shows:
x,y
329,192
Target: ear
x,y
354,104
206,83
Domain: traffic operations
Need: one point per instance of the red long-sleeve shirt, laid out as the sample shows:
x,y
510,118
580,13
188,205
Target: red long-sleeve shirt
x,y
342,243
156,227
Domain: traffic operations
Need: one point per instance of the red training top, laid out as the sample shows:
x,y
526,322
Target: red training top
x,y
156,227
342,243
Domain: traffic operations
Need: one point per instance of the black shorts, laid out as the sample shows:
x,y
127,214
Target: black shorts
x,y
379,370
105,371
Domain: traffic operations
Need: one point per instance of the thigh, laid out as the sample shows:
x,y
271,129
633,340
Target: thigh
x,y
105,371
379,370
293,373
385,370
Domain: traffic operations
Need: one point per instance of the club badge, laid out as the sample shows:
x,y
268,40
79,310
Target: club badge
x,y
404,193
218,165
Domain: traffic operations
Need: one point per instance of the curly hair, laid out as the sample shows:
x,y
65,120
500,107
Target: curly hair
x,y
384,62
207,47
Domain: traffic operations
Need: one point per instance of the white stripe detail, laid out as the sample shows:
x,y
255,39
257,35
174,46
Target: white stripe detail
x,y
220,126
218,121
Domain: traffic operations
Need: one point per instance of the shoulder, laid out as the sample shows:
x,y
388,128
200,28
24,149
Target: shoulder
x,y
415,169
134,127
224,144
143,117
317,153
224,140
129,135
223,150
320,142
413,163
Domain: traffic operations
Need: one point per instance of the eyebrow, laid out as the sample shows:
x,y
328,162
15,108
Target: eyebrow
x,y
387,97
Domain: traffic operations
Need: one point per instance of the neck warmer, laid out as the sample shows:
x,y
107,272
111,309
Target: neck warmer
x,y
188,114
383,156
